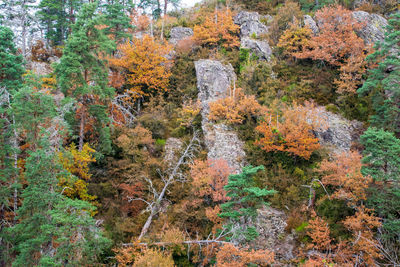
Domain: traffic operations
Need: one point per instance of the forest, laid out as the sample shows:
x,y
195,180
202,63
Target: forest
x,y
233,133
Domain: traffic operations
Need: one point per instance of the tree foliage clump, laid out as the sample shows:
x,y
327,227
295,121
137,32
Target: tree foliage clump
x,y
336,43
292,132
145,65
218,29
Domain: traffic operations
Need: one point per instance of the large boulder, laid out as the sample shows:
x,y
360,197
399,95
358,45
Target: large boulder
x,y
250,24
258,47
180,33
214,81
338,133
373,29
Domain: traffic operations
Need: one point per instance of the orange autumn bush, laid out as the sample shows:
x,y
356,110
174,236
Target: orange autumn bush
x,y
292,132
336,43
235,109
218,29
145,66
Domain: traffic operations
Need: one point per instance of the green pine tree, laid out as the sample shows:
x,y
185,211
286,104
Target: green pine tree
x,y
246,198
117,20
382,163
382,83
83,75
53,18
11,70
52,229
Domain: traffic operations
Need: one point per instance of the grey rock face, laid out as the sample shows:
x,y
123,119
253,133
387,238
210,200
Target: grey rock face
x,y
270,225
249,23
260,48
310,22
339,133
214,81
179,33
172,147
40,68
373,29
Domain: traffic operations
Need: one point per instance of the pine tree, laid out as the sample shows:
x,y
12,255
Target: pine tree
x,y
53,17
82,73
383,81
117,20
382,159
52,229
245,199
11,70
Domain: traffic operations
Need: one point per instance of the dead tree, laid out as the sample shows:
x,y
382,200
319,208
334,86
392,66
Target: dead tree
x,y
173,174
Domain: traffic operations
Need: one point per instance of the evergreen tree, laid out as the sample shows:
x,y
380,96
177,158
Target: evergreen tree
x,y
11,70
53,17
83,75
382,163
53,230
383,81
245,199
117,20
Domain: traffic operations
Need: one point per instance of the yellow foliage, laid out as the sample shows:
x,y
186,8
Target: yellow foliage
x,y
295,39
154,258
76,163
188,113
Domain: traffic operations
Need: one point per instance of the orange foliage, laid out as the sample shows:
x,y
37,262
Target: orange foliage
x,y
363,244
218,29
319,233
338,44
210,177
293,132
145,66
141,22
235,109
344,173
229,255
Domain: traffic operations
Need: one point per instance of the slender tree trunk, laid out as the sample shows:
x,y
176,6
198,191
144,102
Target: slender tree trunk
x,y
82,130
23,22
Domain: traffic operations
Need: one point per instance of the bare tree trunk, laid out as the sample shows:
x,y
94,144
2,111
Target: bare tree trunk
x,y
172,177
82,129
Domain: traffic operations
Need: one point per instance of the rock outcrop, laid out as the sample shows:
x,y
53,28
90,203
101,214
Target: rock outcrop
x,y
373,26
179,33
373,29
214,81
250,24
310,22
172,147
260,48
338,134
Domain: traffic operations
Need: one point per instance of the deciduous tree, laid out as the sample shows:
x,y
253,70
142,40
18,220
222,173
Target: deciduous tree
x,y
218,29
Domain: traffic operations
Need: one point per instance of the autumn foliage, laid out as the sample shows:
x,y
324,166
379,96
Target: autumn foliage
x,y
218,29
291,132
77,163
336,43
210,177
145,66
236,108
229,255
343,175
